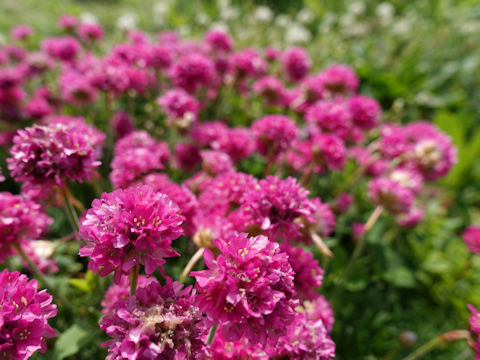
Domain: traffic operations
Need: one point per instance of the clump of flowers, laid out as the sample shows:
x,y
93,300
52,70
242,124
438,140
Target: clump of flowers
x,y
24,314
157,322
248,289
471,237
394,197
274,134
130,227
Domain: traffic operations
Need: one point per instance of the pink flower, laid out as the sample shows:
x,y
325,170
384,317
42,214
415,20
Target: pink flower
x,y
158,322
274,134
76,89
193,72
306,339
342,203
320,309
24,312
216,162
68,22
122,124
308,274
296,63
366,111
326,152
410,178
271,90
475,328
411,218
247,63
330,116
64,48
90,32
471,236
209,134
178,104
21,32
21,221
274,207
50,154
218,42
235,350
237,142
248,289
187,156
339,79
129,227
388,193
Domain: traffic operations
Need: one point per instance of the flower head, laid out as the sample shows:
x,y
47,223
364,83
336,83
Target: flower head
x,y
274,134
24,312
296,63
193,71
471,236
388,193
158,322
129,227
248,288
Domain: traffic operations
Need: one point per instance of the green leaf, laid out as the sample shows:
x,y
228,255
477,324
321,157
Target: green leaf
x,y
69,342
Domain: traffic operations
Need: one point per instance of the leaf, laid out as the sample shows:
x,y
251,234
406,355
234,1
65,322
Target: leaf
x,y
69,342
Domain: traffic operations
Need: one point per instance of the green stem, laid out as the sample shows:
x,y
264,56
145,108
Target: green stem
x,y
41,278
447,337
134,279
70,210
191,263
211,334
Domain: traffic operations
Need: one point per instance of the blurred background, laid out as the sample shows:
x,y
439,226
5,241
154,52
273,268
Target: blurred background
x,y
420,59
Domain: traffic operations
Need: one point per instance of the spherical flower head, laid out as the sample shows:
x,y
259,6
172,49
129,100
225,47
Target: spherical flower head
x,y
50,154
130,227
471,236
192,72
366,111
40,252
331,116
433,152
388,193
232,350
90,32
238,143
411,218
76,88
179,105
179,194
393,142
21,221
68,22
271,90
158,322
408,177
187,156
122,124
372,164
296,63
274,134
274,207
339,79
308,274
38,108
10,77
24,312
320,309
216,162
64,48
320,219
132,140
248,288
247,63
326,151
342,203
209,134
305,340
21,32
218,42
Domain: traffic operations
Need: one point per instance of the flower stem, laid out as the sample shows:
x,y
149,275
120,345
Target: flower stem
x,y
211,334
134,278
70,210
307,175
191,263
317,240
437,341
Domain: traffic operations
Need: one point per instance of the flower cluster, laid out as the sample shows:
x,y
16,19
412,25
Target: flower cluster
x,y
24,312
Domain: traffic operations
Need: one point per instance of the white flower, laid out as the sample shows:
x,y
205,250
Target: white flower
x,y
88,18
202,19
297,34
327,23
127,21
356,8
219,26
263,14
385,12
282,20
305,16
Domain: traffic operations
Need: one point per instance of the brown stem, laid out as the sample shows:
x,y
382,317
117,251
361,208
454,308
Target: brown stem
x,y
191,263
134,272
317,240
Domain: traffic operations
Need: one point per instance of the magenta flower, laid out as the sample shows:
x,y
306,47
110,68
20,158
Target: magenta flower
x,y
24,312
129,227
471,236
408,177
179,105
271,90
308,276
274,134
222,349
388,193
122,124
306,339
475,328
276,208
325,151
21,221
90,32
158,322
218,42
192,72
64,48
248,289
216,162
296,63
68,22
320,309
238,142
331,116
339,79
50,154
411,218
21,32
247,63
76,88
366,111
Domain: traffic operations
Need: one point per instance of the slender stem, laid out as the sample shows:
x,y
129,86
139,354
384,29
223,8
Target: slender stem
x,y
134,272
307,175
320,244
268,166
372,219
70,210
41,277
211,334
436,341
191,263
